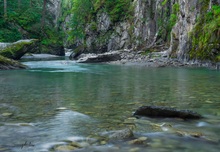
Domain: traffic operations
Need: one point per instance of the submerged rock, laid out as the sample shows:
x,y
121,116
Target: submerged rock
x,y
65,148
165,112
122,134
138,141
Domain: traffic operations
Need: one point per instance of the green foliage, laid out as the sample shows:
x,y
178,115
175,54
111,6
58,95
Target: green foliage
x,y
206,35
84,12
164,2
176,8
24,21
172,21
119,9
173,16
52,37
167,20
20,20
93,26
8,32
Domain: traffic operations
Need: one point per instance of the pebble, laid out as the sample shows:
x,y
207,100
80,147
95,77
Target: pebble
x,y
134,150
7,114
140,140
61,108
65,148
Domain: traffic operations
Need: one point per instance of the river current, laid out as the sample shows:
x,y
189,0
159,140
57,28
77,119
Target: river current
x,y
57,101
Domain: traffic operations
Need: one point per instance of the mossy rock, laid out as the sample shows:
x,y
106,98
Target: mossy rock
x,y
17,49
6,64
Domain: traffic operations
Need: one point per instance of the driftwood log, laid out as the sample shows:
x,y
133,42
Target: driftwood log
x,y
165,112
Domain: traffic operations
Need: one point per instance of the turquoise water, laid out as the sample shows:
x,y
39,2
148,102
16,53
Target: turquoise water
x,y
99,98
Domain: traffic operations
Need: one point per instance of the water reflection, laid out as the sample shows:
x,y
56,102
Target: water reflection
x,y
99,98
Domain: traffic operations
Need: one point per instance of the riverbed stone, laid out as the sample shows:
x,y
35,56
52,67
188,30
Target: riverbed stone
x,y
61,108
122,134
138,141
166,112
65,148
7,114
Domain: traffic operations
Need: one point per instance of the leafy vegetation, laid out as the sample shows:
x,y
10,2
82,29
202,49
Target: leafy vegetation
x,y
167,19
206,35
28,19
84,12
173,16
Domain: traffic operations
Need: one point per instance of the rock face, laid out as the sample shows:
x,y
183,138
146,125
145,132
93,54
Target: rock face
x,y
6,64
96,58
164,112
154,23
17,49
53,49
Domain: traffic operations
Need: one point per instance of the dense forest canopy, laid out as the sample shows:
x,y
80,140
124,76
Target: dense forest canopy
x,y
23,19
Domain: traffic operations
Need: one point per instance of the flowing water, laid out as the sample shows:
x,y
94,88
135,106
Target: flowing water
x,y
55,102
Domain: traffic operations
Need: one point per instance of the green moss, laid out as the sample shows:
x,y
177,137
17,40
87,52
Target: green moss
x,y
164,2
93,26
218,58
16,50
6,63
206,35
176,8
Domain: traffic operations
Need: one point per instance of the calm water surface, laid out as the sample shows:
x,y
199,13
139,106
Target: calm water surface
x,y
99,98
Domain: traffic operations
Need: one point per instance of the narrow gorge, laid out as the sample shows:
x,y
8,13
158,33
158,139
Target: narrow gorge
x,y
188,30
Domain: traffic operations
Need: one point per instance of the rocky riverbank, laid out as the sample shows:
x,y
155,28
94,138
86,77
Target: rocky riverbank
x,y
160,59
141,58
7,64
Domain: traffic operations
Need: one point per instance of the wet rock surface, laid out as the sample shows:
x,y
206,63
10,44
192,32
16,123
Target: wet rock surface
x,y
165,112
122,134
96,58
8,64
140,58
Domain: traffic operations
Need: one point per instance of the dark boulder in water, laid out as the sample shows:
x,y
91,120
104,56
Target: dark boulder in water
x,y
166,112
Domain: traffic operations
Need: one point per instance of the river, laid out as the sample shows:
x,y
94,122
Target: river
x,y
57,101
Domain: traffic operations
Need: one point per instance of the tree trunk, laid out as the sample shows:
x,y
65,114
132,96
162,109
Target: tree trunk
x,y
19,5
5,8
30,3
43,15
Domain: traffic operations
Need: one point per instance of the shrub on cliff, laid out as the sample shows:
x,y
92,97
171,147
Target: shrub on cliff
x,y
206,35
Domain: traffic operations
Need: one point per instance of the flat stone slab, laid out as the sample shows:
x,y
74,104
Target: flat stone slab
x,y
166,112
96,58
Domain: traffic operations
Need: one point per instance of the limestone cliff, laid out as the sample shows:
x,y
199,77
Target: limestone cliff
x,y
154,25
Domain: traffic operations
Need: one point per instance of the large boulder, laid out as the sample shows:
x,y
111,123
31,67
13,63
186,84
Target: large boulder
x,y
6,64
165,112
17,49
96,58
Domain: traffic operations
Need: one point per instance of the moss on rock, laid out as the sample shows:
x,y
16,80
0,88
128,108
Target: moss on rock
x,y
6,64
17,49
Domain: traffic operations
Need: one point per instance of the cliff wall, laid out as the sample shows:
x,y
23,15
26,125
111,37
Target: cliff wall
x,y
153,25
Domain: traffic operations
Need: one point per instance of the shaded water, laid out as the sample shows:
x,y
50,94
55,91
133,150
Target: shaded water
x,y
99,98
